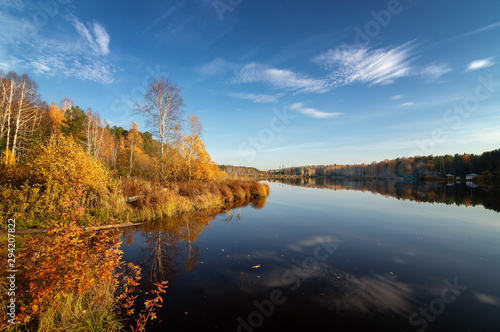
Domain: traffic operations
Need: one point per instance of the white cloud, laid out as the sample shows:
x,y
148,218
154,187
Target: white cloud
x,y
258,98
215,67
481,63
299,107
396,97
296,106
368,294
95,35
433,72
279,78
407,104
15,4
54,58
487,299
473,32
10,63
102,38
297,147
361,64
313,241
40,68
81,54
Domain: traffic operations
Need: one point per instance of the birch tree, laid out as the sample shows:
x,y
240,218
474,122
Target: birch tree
x,y
20,106
94,133
162,108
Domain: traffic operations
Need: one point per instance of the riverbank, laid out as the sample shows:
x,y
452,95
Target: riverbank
x,y
156,201
38,207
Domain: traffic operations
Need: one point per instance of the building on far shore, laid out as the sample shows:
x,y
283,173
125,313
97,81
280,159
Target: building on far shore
x,y
471,176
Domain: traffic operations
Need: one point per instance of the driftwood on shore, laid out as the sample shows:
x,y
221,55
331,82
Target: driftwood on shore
x,y
89,228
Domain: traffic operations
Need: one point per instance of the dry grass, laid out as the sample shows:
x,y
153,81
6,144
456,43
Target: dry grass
x,y
79,312
174,198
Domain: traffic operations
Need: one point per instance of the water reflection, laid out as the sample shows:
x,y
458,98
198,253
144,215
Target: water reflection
x,y
390,259
370,294
468,194
168,247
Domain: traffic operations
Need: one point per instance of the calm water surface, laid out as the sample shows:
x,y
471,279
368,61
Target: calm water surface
x,y
371,258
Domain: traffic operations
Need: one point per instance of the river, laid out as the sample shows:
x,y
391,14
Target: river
x,y
331,256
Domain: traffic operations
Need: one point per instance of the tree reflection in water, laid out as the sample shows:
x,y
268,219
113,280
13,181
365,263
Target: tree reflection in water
x,y
449,193
169,245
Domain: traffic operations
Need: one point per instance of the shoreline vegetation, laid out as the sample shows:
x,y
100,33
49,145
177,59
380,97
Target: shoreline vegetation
x,y
74,277
70,173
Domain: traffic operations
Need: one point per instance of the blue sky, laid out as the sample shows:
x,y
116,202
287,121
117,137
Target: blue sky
x,y
277,83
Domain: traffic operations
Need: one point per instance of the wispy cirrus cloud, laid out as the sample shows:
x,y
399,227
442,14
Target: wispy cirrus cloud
x,y
95,34
432,73
487,298
350,64
279,78
313,241
217,66
479,64
15,4
254,72
361,64
53,58
346,65
312,112
297,147
258,98
396,97
81,51
407,104
495,25
86,60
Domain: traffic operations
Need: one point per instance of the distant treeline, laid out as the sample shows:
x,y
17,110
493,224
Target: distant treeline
x,y
241,171
486,164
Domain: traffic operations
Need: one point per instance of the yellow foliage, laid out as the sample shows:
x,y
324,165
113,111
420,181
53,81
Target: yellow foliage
x,y
8,158
63,162
171,166
200,165
56,118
